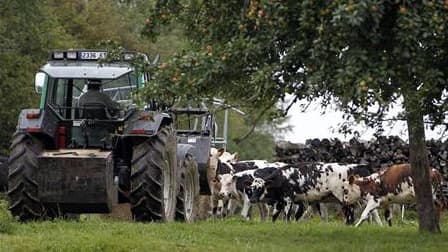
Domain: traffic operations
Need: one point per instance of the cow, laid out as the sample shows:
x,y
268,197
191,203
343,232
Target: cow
x,y
218,158
222,162
234,185
391,185
307,182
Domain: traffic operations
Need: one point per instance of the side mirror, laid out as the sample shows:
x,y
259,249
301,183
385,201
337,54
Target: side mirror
x,y
39,82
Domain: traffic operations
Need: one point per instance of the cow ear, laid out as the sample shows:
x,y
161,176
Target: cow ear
x,y
351,179
220,152
235,156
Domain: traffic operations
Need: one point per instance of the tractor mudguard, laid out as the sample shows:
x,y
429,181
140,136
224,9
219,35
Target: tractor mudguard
x,y
146,123
36,121
201,155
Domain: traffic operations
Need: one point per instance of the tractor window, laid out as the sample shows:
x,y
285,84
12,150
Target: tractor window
x,y
64,94
59,92
193,123
120,89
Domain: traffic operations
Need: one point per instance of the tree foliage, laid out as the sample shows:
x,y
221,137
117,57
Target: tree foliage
x,y
353,53
357,54
25,34
249,140
30,29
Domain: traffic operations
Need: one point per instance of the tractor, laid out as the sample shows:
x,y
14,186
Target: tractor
x,y
68,157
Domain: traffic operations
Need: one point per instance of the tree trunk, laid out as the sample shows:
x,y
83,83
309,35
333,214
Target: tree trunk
x,y
418,157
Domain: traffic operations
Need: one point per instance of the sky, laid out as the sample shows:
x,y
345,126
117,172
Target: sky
x,y
313,124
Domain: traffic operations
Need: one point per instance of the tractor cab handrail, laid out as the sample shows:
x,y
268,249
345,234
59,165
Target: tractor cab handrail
x,y
193,132
128,114
195,111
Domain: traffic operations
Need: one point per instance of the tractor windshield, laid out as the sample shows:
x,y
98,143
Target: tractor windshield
x,y
64,93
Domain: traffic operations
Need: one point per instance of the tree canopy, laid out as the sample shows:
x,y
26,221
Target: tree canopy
x,y
29,30
353,53
357,54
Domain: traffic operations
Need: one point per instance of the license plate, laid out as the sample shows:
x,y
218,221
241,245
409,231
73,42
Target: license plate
x,y
93,55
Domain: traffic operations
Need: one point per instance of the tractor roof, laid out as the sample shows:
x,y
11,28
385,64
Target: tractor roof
x,y
86,71
85,64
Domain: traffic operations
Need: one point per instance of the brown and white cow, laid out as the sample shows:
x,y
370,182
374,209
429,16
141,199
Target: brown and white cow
x,y
391,185
217,158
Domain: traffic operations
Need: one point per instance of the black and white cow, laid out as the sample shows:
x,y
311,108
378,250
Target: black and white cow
x,y
305,182
233,185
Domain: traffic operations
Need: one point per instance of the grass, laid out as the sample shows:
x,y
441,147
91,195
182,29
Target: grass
x,y
233,234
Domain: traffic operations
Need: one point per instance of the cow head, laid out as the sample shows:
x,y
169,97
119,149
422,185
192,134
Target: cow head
x,y
351,189
228,186
257,190
215,186
218,159
227,157
213,162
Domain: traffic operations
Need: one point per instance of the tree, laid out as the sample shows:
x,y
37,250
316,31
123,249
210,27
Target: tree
x,y
250,141
357,54
26,33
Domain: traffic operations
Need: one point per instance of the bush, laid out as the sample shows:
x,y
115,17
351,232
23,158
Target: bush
x,y
6,220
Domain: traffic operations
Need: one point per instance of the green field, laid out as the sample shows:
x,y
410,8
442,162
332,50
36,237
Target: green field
x,y
215,235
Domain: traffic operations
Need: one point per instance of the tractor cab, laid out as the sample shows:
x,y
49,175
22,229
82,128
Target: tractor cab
x,y
91,100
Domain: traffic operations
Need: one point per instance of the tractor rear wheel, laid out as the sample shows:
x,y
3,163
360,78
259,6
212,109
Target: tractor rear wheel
x,y
187,208
153,179
23,165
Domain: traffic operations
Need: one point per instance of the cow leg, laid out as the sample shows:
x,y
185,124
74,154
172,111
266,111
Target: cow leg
x,y
214,204
388,215
372,204
308,212
288,209
402,213
223,205
376,217
246,208
300,210
231,207
262,207
323,211
349,214
278,207
269,210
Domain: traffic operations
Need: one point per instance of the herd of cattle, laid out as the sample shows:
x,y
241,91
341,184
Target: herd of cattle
x,y
277,187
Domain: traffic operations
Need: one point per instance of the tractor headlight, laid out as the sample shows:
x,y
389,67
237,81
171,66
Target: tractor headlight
x,y
128,56
72,55
58,55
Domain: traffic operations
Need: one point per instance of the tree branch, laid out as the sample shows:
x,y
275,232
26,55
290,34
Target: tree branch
x,y
240,139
